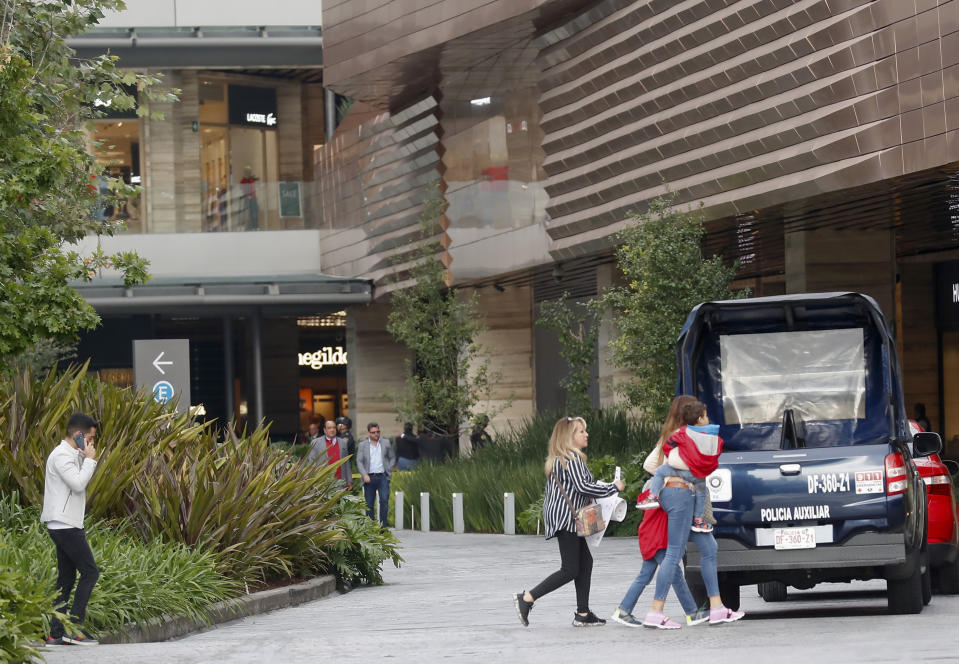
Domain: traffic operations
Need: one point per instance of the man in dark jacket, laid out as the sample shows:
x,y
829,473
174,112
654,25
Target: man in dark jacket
x,y
344,426
407,449
479,438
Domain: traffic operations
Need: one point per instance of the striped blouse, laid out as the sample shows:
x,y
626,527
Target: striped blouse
x,y
582,489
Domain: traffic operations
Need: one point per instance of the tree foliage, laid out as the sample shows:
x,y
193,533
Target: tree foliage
x,y
665,275
577,329
49,182
449,375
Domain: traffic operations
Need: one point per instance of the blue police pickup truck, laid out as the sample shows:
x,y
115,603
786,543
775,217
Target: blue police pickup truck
x,y
816,481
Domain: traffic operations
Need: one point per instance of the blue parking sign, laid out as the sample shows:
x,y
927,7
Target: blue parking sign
x,y
163,391
161,367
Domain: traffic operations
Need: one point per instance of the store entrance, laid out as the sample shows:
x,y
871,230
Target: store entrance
x,y
322,361
322,399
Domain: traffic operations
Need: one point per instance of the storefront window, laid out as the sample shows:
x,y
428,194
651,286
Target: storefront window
x,y
117,148
239,156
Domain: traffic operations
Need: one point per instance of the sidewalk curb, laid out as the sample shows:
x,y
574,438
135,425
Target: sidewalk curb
x,y
171,627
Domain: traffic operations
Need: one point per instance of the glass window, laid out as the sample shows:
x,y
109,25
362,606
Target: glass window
x,y
821,375
238,155
117,149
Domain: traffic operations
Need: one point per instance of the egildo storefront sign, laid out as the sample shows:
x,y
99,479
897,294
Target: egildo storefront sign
x,y
327,356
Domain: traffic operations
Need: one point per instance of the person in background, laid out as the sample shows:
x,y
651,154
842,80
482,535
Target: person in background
x,y
566,466
326,450
407,448
920,417
69,469
344,429
375,459
313,431
479,438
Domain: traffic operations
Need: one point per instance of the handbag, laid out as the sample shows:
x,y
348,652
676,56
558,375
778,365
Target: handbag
x,y
589,519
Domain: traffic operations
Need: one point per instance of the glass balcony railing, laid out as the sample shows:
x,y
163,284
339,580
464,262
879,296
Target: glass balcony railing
x,y
247,206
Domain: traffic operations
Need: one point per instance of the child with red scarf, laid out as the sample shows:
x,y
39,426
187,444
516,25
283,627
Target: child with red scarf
x,y
692,453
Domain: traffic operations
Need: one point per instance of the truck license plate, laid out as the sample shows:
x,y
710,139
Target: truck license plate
x,y
794,538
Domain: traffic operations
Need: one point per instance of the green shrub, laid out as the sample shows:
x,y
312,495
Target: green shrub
x,y
297,451
33,415
360,554
259,514
481,479
24,605
515,465
137,581
611,432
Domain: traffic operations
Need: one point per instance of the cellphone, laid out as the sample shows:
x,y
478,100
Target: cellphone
x,y
79,439
618,475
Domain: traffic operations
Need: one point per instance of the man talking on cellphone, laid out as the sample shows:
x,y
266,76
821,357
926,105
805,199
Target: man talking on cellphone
x,y
69,468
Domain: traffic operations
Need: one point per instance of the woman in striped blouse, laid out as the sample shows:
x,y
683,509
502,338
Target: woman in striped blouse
x,y
567,463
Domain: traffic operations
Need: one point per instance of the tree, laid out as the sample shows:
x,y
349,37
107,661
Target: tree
x,y
50,185
448,373
576,327
665,276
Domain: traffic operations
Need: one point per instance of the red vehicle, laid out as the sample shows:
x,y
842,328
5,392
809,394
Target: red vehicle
x,y
943,533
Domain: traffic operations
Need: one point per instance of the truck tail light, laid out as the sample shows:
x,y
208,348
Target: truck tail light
x,y
938,485
896,474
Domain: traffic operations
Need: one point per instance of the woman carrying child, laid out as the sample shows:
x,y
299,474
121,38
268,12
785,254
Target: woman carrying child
x,y
691,454
662,536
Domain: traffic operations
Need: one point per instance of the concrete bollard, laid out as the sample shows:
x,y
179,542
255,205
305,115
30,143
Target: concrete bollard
x,y
458,525
398,502
425,512
509,514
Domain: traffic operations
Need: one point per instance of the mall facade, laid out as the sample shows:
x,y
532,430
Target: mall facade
x,y
819,139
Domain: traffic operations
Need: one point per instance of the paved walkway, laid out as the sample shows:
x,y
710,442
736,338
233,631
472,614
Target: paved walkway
x,y
451,601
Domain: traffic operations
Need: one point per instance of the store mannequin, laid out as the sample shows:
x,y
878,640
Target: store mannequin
x,y
248,184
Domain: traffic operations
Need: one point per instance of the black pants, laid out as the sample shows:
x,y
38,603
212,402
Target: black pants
x,y
73,555
577,566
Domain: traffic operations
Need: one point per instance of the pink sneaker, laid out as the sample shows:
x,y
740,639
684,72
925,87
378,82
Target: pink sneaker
x,y
659,621
648,503
724,615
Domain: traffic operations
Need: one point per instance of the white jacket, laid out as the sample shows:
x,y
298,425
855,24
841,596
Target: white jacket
x,y
65,485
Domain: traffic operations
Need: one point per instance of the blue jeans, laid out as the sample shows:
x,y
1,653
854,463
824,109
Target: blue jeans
x,y
707,547
665,470
645,576
378,483
678,504
706,544
402,463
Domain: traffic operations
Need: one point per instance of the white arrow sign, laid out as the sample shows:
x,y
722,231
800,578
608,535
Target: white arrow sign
x,y
157,363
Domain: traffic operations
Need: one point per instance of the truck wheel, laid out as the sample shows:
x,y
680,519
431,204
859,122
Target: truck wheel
x,y
949,578
729,592
905,595
773,591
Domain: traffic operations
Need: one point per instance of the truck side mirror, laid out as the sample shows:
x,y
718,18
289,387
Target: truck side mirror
x,y
926,443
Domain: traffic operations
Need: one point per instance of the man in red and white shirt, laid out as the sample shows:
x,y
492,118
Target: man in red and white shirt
x,y
326,450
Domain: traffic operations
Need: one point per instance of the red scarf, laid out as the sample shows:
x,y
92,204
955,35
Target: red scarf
x,y
333,454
